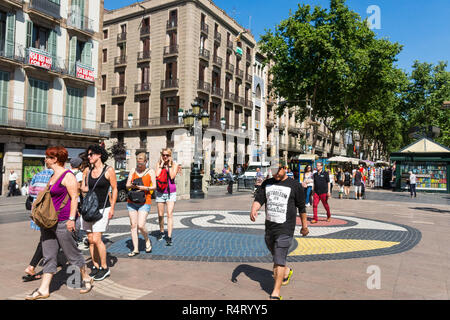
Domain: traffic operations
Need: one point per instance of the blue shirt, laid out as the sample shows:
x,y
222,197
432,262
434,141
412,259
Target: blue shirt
x,y
38,183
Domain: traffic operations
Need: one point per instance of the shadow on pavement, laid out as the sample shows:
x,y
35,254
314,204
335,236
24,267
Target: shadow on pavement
x,y
431,210
263,276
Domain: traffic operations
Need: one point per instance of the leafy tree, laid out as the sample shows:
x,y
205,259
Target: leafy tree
x,y
332,58
428,88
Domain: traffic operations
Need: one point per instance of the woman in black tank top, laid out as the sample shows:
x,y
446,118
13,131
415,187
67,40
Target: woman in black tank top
x,y
102,180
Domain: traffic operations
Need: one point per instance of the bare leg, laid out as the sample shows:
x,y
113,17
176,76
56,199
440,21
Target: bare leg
x,y
141,225
134,229
279,273
170,207
161,216
93,250
101,249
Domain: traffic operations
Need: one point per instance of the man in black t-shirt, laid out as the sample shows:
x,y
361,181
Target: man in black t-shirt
x,y
322,191
282,197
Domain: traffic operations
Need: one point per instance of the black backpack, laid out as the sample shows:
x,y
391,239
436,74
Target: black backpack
x,y
90,207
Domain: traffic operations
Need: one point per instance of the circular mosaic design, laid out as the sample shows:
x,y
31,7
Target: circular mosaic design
x,y
230,236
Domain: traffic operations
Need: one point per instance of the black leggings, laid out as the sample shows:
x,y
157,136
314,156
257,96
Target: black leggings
x,y
38,255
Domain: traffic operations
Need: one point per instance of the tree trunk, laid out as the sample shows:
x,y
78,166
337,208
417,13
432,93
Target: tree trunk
x,y
333,137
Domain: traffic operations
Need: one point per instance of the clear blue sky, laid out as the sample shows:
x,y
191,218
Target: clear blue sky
x,y
421,26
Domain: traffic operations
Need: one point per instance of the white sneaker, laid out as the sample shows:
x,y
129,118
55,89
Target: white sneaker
x,y
308,205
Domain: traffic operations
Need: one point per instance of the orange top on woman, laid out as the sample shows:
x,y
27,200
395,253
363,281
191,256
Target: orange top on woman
x,y
147,180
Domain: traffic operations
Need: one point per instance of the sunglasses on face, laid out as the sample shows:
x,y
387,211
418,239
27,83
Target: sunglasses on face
x,y
166,155
90,154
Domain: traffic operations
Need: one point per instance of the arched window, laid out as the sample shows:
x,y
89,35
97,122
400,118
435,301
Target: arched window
x,y
258,92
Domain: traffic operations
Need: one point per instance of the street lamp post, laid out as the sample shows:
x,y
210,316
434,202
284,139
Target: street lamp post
x,y
195,119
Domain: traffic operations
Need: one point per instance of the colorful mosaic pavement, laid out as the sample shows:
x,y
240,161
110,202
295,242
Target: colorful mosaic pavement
x,y
230,236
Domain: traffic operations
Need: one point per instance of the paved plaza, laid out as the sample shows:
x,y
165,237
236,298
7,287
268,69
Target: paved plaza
x,y
219,254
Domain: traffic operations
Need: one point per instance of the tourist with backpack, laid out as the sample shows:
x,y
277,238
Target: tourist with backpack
x,y
54,211
357,176
141,183
100,183
166,192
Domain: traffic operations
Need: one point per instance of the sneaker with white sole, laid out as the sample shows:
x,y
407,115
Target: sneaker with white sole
x,y
102,274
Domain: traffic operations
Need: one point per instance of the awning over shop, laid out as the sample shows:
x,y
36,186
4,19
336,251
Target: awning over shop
x,y
340,159
309,157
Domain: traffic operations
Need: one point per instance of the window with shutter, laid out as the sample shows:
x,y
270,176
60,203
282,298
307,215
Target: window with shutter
x,y
4,79
37,114
74,110
10,28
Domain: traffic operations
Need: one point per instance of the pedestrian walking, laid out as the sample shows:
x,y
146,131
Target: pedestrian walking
x,y
357,177
75,167
340,178
142,182
332,182
289,173
166,192
322,191
12,185
372,177
282,198
63,191
308,180
412,184
38,184
347,182
230,178
100,179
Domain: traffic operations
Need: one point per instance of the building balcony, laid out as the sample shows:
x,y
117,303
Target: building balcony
x,y
239,73
120,61
239,100
203,86
142,88
171,25
216,92
248,104
170,84
281,126
230,45
79,72
147,123
143,56
145,32
170,50
51,123
248,78
80,23
13,54
204,28
119,92
45,9
203,54
229,68
15,3
217,61
295,130
283,146
217,36
294,147
230,97
122,37
43,60
248,58
270,123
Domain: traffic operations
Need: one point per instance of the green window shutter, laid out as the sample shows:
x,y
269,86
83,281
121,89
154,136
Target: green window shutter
x,y
29,36
74,106
4,78
10,28
86,57
37,116
72,55
52,49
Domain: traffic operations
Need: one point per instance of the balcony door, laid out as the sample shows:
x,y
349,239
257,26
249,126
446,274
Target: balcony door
x,y
120,111
121,79
74,109
37,109
143,113
169,110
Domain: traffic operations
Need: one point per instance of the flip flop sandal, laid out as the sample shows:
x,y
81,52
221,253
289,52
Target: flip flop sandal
x,y
38,296
133,253
88,286
149,248
31,277
275,298
286,280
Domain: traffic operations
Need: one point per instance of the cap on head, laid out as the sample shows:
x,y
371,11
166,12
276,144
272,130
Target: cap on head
x,y
76,162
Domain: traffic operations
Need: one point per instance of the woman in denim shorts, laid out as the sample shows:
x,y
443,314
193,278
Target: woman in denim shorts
x,y
138,211
167,196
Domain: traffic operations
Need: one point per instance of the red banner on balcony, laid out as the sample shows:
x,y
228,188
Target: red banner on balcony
x,y
39,58
85,73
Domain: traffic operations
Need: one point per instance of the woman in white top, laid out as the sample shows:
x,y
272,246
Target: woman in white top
x,y
308,180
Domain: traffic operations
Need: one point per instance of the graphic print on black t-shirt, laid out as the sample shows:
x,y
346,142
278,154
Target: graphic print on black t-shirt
x,y
277,203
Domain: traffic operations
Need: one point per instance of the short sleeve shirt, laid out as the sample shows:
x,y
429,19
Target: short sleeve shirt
x,y
282,199
321,180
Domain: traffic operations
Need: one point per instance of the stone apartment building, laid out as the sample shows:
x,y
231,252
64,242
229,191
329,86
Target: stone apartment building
x,y
157,58
49,53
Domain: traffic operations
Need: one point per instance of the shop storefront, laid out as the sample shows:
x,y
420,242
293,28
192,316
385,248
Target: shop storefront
x,y
429,161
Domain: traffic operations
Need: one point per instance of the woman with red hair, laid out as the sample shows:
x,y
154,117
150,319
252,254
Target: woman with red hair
x,y
64,193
